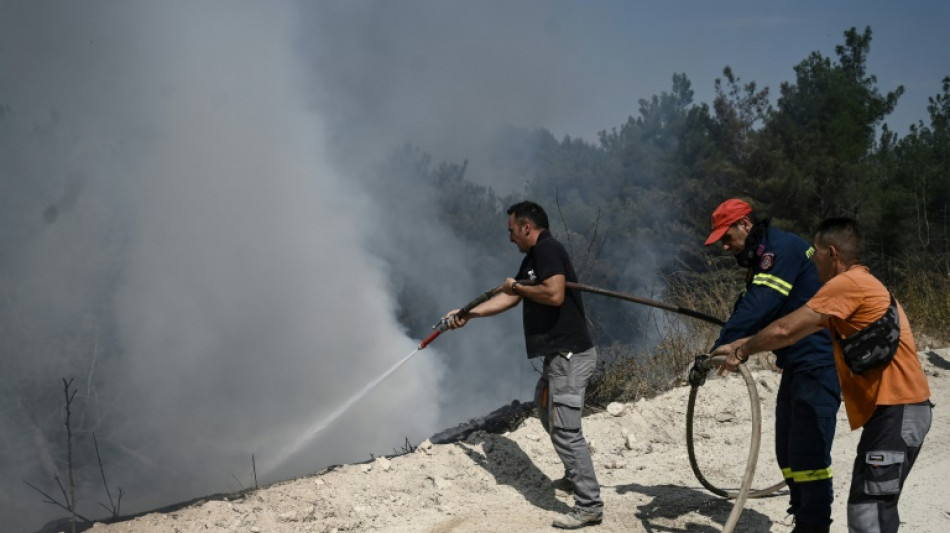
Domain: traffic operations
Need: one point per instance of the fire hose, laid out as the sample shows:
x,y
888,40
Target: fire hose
x,y
697,376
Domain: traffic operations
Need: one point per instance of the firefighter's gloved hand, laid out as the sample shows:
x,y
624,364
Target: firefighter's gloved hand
x,y
699,370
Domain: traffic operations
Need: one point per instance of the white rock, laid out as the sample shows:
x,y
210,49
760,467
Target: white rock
x,y
425,447
365,468
616,408
630,441
725,416
385,464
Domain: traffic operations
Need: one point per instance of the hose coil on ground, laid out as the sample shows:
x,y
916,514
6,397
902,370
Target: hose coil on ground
x,y
745,491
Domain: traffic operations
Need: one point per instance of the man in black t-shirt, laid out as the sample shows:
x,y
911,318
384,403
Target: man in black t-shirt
x,y
555,328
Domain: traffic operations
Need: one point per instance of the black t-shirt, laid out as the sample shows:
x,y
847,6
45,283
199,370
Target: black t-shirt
x,y
549,330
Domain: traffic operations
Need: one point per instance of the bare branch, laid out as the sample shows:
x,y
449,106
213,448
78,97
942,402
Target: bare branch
x,y
50,499
71,500
112,506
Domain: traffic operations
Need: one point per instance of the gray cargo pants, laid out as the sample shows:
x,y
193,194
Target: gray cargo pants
x,y
889,445
559,397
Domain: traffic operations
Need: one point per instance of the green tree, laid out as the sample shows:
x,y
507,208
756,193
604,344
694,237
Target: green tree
x,y
923,171
819,141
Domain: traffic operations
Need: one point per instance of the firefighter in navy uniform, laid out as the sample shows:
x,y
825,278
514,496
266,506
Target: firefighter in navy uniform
x,y
781,278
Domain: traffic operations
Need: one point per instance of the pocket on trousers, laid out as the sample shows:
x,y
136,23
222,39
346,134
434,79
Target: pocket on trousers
x,y
882,474
568,409
916,424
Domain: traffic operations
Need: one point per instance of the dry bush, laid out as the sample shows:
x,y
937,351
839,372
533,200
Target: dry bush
x,y
924,293
630,372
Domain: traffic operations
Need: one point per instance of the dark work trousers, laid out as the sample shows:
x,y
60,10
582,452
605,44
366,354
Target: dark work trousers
x,y
889,445
805,417
559,396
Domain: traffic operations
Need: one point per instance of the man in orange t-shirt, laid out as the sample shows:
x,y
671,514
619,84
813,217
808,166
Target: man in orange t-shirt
x,y
891,402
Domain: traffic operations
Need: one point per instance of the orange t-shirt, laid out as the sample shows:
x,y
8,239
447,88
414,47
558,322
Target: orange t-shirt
x,y
853,300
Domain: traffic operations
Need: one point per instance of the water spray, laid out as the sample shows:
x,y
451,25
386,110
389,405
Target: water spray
x,y
440,327
291,449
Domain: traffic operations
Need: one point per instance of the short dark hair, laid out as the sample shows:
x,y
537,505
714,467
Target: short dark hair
x,y
843,234
529,211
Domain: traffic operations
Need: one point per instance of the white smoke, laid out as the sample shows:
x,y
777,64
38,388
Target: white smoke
x,y
208,225
248,278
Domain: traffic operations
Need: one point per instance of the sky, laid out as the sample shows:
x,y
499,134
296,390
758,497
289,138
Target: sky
x,y
187,232
761,41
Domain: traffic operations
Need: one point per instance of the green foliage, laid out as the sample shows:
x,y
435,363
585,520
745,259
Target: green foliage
x,y
820,139
924,293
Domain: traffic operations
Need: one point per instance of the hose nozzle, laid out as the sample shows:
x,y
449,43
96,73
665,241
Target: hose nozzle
x,y
439,327
443,324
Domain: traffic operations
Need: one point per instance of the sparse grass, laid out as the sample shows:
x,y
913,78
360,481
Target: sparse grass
x,y
923,289
407,447
628,373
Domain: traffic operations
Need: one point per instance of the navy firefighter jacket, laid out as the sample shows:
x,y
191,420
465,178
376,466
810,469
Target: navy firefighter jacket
x,y
782,279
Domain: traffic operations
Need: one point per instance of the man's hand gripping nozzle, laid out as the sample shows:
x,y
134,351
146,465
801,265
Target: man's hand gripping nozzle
x,y
699,370
440,327
443,325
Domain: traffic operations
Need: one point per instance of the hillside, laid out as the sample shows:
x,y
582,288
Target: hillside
x,y
499,482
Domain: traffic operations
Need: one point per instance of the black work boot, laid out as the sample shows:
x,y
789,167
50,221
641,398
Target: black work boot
x,y
805,527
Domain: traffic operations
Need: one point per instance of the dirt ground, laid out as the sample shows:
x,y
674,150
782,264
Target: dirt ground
x,y
501,483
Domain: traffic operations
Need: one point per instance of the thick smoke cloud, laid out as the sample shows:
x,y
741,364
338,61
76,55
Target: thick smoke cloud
x,y
196,230
177,240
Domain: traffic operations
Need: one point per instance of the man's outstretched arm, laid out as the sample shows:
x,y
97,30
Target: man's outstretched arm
x,y
781,333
